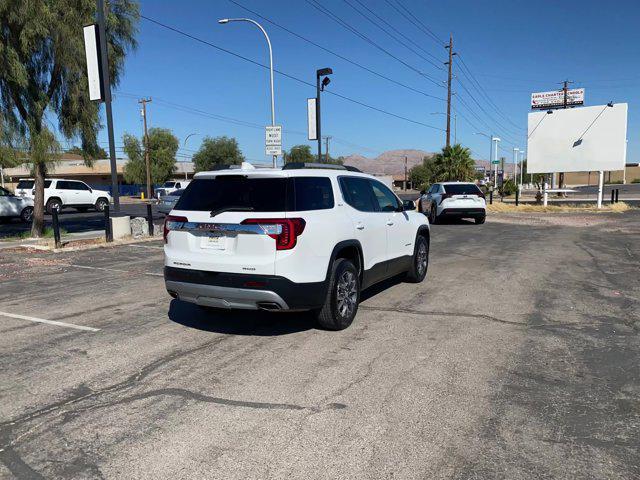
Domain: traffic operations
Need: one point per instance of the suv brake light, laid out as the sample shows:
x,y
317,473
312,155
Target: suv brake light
x,y
172,222
285,231
444,196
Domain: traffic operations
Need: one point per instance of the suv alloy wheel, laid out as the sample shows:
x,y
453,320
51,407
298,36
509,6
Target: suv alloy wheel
x,y
420,261
101,203
53,204
343,296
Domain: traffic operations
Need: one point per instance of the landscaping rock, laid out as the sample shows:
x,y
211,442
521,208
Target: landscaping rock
x,y
139,227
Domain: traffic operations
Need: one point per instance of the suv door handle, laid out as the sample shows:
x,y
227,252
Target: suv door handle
x,y
360,226
389,222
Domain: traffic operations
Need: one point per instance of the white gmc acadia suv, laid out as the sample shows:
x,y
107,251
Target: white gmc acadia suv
x,y
304,237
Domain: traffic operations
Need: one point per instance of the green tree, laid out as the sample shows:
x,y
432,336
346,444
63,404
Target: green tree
x,y
453,163
217,151
163,146
100,153
299,153
421,176
43,70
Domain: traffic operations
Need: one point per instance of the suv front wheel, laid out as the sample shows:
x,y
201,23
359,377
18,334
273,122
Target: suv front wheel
x,y
101,204
343,296
420,261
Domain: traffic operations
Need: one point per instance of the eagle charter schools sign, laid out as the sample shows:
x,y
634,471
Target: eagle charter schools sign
x,y
555,99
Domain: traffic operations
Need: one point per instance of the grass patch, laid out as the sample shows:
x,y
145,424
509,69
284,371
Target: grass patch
x,y
47,233
528,208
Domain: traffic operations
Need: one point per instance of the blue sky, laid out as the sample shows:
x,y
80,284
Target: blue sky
x,y
511,47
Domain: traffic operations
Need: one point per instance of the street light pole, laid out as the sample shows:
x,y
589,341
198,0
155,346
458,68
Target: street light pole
x,y
264,32
516,151
323,72
495,141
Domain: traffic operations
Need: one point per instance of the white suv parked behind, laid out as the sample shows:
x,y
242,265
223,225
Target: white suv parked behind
x,y
304,237
60,193
453,199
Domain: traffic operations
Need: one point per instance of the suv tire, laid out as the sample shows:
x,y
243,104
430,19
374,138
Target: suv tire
x,y
343,296
54,203
27,214
480,220
101,203
420,261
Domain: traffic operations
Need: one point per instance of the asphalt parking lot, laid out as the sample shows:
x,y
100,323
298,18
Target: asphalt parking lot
x,y
517,358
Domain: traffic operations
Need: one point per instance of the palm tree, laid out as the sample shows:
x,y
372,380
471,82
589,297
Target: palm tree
x,y
454,163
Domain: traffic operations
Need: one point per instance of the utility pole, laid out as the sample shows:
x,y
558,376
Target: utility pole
x,y
450,64
144,102
326,148
565,91
405,173
106,88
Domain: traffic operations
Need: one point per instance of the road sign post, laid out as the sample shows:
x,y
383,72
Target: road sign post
x,y
273,140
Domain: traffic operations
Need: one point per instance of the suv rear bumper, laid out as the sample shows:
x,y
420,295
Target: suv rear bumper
x,y
242,291
464,212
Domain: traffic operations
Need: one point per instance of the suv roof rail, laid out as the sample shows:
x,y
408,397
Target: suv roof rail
x,y
327,166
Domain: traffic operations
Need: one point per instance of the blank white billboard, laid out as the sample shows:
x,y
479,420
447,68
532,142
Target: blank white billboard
x,y
584,139
93,62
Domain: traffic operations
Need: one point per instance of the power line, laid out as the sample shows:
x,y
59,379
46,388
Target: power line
x,y
395,37
342,57
299,80
339,21
415,22
474,81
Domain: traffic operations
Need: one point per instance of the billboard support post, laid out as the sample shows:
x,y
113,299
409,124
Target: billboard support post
x,y
600,187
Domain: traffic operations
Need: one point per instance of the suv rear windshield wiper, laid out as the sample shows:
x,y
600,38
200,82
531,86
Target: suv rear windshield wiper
x,y
230,209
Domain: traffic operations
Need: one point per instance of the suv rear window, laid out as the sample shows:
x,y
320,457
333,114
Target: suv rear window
x,y
260,194
462,189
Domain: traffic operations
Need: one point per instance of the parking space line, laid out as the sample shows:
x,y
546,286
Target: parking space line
x,y
49,322
146,246
105,269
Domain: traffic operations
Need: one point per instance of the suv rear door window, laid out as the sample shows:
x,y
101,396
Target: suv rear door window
x,y
25,184
462,189
357,192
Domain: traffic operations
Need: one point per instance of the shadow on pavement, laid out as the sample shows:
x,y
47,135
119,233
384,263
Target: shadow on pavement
x,y
239,322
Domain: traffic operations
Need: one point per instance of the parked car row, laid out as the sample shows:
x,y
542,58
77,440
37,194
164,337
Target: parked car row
x,y
453,199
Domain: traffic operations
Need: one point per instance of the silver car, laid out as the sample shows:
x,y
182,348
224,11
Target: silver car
x,y
12,206
167,202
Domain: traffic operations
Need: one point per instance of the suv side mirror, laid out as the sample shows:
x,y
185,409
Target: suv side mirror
x,y
408,205
422,192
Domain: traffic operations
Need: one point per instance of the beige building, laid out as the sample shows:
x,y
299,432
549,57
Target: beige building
x,y
98,175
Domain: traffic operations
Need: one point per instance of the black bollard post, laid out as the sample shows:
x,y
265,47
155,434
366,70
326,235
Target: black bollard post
x,y
108,234
617,194
517,197
612,195
56,227
491,197
150,219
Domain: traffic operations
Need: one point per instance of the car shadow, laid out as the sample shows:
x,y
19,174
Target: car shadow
x,y
374,290
455,221
240,322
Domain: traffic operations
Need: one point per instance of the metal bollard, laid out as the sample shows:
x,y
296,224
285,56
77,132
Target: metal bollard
x,y
517,198
56,227
108,234
617,194
491,197
613,192
150,219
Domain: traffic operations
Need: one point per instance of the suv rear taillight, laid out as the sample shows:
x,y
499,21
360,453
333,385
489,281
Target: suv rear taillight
x,y
285,231
172,222
444,196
